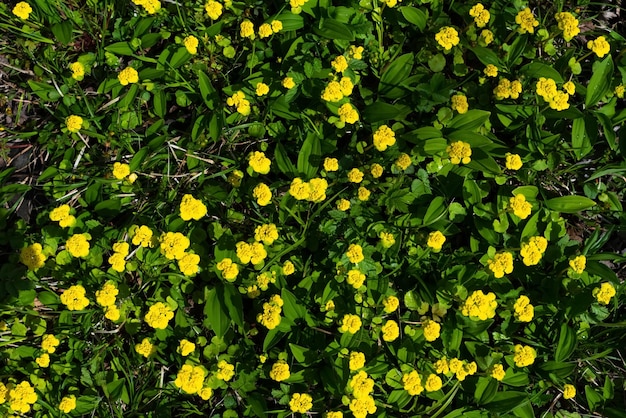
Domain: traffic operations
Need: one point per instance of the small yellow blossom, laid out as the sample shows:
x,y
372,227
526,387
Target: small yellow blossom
x,y
384,137
447,37
436,240
527,21
74,298
259,162
569,87
350,324
479,305
497,372
191,44
145,348
355,253
391,304
487,36
599,46
173,245
533,250
569,391
288,268
21,397
339,64
343,205
277,26
480,14
459,103
523,309
433,383
49,343
355,52
357,360
67,404
386,239
501,264
390,331
513,161
190,378
288,83
33,257
331,164
619,91
22,10
301,402
363,194
262,194
347,113
403,162
578,264
42,361
491,70
128,76
432,330
280,371
78,70
604,293
568,24
524,355
459,152
355,278
376,170
265,30
214,9
106,296
74,123
246,29
78,245
120,170
355,175
262,89
412,383
519,206
159,315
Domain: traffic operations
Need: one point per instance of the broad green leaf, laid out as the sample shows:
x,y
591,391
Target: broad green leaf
x,y
120,48
600,82
179,57
569,204
207,91
516,49
486,389
299,353
594,399
333,29
310,156
159,99
537,69
216,314
560,369
487,56
282,160
470,120
436,211
62,31
416,16
232,302
109,207
515,379
394,75
506,401
567,343
281,108
381,111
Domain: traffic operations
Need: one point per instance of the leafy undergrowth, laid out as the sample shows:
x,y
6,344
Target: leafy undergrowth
x,y
268,209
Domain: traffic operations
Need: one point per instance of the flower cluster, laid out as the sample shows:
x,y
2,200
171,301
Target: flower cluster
x,y
435,240
191,44
384,137
480,14
62,216
533,250
348,114
313,190
432,329
391,304
523,310
225,370
524,355
121,170
403,162
49,343
259,162
106,298
142,236
301,402
240,102
497,371
270,318
519,206
478,305
526,21
188,264
337,90
356,361
20,396
578,264
190,378
192,208
74,123
568,24
78,71
280,371
145,348
547,89
253,253
355,278
350,323
174,245
459,103
213,9
118,259
447,37
33,257
74,298
159,315
67,404
150,6
268,29
501,264
361,387
263,194
507,89
458,152
355,253
513,161
186,347
229,269
390,330
599,46
128,76
22,10
604,293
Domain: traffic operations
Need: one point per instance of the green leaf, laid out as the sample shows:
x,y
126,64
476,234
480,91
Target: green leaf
x,y
436,211
291,308
537,69
560,369
282,160
333,29
62,31
290,21
470,120
594,399
299,353
487,56
135,162
600,82
391,79
232,301
381,111
569,204
216,316
207,91
159,99
310,156
179,57
120,48
416,16
517,48
506,401
567,343
486,389
108,208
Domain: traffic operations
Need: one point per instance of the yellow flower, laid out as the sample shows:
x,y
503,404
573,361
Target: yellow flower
x,y
128,76
355,253
533,250
268,233
604,293
229,269
49,343
106,296
112,313
21,397
118,262
74,298
527,21
262,194
620,90
479,305
384,137
386,239
433,383
235,177
151,6
569,87
173,245
331,164
239,100
412,383
277,26
497,372
191,208
191,44
519,206
74,123
432,330
524,355
513,161
568,24
363,194
487,36
357,360
391,330
515,89
213,9
458,152
578,263
270,318
280,371
288,268
317,188
546,88
143,236
258,161
262,89
447,37
391,304
361,385
22,10
355,278
205,393
188,264
246,29
436,240
67,404
190,378
355,52
120,170
145,348
301,402
343,205
299,189
288,83
42,361
332,92
480,14
459,103
441,366
376,170
346,86
186,347
33,257
559,101
599,46
347,113
77,245
390,3
340,64
491,70
355,175
403,162
159,315
225,370
362,406
350,323
569,391
523,310
265,30
78,70
500,264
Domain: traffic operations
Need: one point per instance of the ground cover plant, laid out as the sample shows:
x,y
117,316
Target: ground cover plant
x,y
271,209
